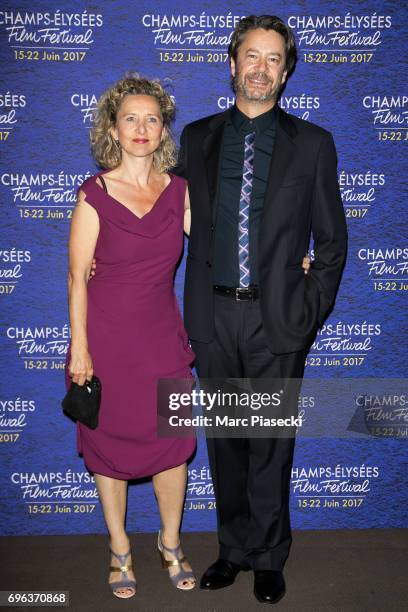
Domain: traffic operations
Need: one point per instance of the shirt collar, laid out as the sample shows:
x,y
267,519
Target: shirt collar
x,y
259,124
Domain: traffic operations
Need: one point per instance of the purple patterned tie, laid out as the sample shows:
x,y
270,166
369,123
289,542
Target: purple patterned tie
x,y
244,201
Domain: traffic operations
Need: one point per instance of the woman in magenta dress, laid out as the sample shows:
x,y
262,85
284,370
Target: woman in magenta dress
x,y
125,323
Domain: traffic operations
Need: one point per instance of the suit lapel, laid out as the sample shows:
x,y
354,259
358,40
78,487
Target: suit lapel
x,y
283,152
212,151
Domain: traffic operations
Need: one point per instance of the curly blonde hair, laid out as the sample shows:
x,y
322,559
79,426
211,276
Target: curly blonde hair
x,y
104,148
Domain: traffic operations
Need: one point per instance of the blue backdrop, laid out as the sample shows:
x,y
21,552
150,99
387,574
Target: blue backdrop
x,y
57,59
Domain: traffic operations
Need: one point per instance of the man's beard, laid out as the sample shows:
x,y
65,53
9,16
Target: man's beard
x,y
241,88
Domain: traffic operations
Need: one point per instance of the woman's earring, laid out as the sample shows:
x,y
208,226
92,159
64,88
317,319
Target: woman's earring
x,y
117,143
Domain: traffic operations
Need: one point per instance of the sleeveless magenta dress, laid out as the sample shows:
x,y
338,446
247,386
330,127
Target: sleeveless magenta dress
x,y
135,333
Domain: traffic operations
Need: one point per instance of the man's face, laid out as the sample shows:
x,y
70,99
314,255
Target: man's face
x,y
259,70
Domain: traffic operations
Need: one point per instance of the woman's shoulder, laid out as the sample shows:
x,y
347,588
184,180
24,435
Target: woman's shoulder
x,y
90,192
178,182
89,183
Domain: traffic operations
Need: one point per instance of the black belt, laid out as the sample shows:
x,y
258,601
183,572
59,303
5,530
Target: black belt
x,y
238,293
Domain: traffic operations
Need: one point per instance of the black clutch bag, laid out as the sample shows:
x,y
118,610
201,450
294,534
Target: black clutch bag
x,y
82,402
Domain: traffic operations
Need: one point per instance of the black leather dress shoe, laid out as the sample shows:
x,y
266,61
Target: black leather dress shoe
x,y
220,574
269,586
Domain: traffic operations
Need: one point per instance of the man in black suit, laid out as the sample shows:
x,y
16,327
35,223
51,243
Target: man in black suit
x,y
249,309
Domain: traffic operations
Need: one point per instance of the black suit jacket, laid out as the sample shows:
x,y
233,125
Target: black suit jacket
x,y
302,196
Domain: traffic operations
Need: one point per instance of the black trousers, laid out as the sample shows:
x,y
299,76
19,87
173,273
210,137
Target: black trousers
x,y
251,476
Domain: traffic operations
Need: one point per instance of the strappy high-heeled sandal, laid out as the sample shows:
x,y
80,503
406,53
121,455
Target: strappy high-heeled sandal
x,y
182,574
126,582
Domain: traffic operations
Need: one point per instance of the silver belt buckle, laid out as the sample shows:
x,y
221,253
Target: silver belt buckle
x,y
239,290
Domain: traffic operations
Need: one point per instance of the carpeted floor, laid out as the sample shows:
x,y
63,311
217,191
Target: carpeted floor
x,y
341,571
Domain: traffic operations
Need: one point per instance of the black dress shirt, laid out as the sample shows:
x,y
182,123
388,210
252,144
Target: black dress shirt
x,y
225,260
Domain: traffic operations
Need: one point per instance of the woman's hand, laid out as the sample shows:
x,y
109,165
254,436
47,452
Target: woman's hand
x,y
80,367
306,263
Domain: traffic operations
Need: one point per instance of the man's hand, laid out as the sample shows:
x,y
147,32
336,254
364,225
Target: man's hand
x,y
93,268
306,263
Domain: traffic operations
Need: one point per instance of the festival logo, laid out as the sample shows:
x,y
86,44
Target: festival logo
x,y
305,402
40,348
302,106
12,263
10,112
387,267
339,39
86,104
43,196
389,116
359,191
56,492
383,415
191,38
15,415
340,344
35,36
200,489
340,486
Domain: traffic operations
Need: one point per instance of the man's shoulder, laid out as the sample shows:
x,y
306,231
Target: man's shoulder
x,y
307,128
202,124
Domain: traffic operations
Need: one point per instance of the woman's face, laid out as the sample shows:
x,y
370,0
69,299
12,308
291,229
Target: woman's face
x,y
139,125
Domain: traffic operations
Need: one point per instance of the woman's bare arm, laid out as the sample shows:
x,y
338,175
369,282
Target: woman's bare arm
x,y
82,241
